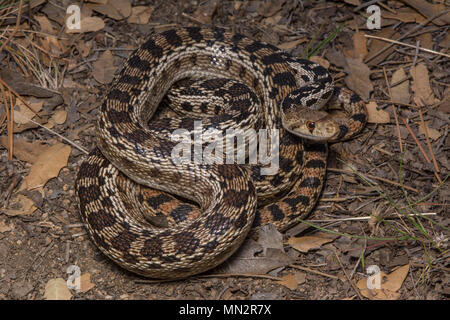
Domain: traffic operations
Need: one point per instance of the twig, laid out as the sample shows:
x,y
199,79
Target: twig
x,y
346,275
416,140
421,25
19,97
19,16
57,134
408,45
313,271
395,111
370,217
373,177
427,138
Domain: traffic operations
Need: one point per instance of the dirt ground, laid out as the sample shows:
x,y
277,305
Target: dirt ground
x,y
370,206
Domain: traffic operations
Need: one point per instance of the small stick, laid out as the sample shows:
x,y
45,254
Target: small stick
x,y
19,16
408,45
395,111
427,138
373,177
313,271
421,25
369,217
11,127
19,97
346,275
415,139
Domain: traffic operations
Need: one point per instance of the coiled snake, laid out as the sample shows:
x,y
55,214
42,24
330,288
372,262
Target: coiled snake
x,y
132,151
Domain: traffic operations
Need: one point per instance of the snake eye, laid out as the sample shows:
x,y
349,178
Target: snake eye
x,y
310,125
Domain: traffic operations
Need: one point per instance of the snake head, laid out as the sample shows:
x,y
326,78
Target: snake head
x,y
309,124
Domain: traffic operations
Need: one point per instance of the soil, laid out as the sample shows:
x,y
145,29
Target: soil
x,y
41,245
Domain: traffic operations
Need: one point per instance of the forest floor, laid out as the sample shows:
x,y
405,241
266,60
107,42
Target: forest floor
x,y
386,196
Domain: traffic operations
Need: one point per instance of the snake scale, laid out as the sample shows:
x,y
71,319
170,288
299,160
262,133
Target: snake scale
x,y
132,153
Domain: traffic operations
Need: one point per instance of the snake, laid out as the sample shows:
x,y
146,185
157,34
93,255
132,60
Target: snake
x,y
132,154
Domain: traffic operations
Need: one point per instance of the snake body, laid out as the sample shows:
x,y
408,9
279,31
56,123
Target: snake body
x,y
131,152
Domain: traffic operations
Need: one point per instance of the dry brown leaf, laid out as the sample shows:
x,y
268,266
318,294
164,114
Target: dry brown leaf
x,y
45,24
59,117
104,68
85,282
390,284
288,281
205,11
432,133
446,42
359,50
270,7
426,41
20,205
88,24
306,243
400,92
24,150
23,114
430,10
324,63
375,115
376,45
353,2
358,78
421,84
115,9
291,44
140,15
47,166
406,15
56,289
84,48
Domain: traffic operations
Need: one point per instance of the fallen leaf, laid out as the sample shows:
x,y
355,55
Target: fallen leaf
x,y
85,282
358,77
205,11
288,281
270,7
432,133
375,115
306,243
291,44
104,68
23,114
59,117
359,50
140,15
20,205
24,150
115,9
421,84
56,289
426,40
47,166
324,63
389,284
400,92
406,15
446,42
376,45
88,24
430,10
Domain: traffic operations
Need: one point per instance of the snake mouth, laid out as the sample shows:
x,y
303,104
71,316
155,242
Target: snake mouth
x,y
310,137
